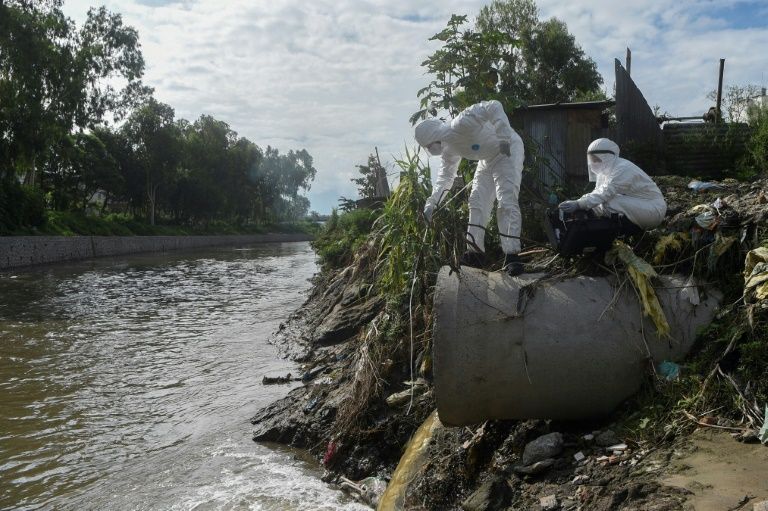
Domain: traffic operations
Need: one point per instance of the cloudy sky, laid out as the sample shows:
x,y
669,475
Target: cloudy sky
x,y
339,77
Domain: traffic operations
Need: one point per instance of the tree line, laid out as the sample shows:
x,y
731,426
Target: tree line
x,y
79,131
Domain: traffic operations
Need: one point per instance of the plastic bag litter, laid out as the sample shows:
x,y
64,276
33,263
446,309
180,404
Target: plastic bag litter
x,y
763,434
641,274
700,186
690,292
756,273
707,220
668,370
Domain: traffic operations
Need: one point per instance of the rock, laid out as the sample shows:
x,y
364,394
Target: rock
x,y
549,503
760,506
494,494
344,321
582,479
589,437
547,446
275,423
537,468
312,373
749,436
276,380
607,438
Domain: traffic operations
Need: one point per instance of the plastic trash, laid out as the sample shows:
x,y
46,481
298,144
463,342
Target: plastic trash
x,y
690,292
756,273
700,186
552,199
707,220
668,370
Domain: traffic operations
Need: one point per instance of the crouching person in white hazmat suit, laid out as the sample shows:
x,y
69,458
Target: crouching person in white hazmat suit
x,y
481,132
621,189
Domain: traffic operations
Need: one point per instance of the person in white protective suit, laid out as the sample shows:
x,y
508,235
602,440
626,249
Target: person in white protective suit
x,y
621,188
481,132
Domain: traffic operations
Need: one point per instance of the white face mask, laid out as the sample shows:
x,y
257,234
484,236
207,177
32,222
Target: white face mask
x,y
600,164
435,148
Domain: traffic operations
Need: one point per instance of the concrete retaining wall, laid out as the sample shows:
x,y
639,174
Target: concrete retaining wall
x,y
16,251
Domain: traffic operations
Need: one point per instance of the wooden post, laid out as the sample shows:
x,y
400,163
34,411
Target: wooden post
x,y
720,91
628,62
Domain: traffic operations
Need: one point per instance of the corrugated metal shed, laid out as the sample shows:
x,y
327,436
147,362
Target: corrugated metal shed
x,y
637,129
557,136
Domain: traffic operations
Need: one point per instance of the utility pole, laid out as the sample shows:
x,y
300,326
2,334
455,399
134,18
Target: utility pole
x,y
720,91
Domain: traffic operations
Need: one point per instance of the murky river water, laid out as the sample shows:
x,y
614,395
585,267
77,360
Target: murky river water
x,y
128,383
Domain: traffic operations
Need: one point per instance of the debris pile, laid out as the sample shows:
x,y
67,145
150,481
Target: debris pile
x,y
363,342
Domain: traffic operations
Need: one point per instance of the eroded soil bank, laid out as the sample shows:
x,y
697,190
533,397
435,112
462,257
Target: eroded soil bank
x,y
358,407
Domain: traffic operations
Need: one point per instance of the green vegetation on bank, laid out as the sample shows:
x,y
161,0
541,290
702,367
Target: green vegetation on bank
x,y
67,223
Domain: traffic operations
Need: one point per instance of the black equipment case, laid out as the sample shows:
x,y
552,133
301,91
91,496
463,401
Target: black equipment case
x,y
580,232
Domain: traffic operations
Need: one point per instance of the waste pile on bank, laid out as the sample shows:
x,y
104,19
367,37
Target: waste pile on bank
x,y
364,341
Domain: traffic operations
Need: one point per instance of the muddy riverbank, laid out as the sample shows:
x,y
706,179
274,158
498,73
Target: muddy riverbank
x,y
362,398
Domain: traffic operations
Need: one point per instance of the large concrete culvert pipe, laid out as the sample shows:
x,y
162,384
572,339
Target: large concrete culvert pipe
x,y
564,349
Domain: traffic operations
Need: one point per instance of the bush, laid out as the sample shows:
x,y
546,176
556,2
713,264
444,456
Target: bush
x,y
757,145
21,207
342,236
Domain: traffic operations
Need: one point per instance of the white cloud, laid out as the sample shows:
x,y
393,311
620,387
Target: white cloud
x,y
340,77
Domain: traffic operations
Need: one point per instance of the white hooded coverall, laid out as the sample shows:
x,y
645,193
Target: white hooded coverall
x,y
476,134
622,187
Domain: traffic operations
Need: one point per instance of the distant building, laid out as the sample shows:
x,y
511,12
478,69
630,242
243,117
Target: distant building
x,y
556,137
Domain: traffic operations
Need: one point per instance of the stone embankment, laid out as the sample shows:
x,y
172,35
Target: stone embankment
x,y
17,251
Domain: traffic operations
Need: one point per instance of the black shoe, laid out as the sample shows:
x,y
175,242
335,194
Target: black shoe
x,y
513,265
472,259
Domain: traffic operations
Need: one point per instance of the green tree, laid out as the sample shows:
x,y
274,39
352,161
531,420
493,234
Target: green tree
x,y
548,66
555,67
84,167
54,78
280,178
34,83
157,144
465,70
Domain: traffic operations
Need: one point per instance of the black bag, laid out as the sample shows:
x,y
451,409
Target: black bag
x,y
580,232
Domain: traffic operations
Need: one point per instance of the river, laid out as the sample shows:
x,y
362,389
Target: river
x,y
128,383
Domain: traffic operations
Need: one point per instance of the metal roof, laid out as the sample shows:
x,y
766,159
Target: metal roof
x,y
584,105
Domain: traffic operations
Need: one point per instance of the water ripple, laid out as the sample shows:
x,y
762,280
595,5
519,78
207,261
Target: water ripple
x,y
124,383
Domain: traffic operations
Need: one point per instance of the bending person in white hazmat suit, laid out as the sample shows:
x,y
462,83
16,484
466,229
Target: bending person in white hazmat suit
x,y
481,132
621,188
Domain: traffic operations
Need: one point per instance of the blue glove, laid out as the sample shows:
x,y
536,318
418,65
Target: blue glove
x,y
569,206
429,210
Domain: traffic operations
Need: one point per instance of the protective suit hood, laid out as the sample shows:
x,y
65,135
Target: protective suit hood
x,y
429,131
607,151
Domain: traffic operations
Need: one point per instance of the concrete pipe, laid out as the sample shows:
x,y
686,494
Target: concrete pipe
x,y
527,347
